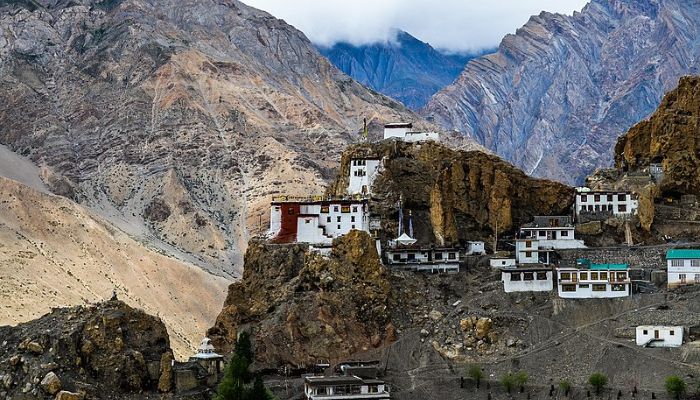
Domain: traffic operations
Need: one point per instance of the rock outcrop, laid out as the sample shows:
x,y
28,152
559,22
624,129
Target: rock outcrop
x,y
556,95
104,351
454,196
671,138
404,68
302,307
206,107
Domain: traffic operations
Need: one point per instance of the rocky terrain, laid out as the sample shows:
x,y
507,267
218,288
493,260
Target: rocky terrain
x,y
104,351
176,121
404,68
453,195
556,95
56,253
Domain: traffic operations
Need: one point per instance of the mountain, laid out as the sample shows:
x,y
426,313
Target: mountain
x,y
405,68
556,95
176,120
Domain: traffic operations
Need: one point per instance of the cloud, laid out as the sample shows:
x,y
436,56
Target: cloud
x,y
457,25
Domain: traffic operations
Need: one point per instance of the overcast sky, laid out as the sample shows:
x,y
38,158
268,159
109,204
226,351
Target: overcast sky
x,y
457,25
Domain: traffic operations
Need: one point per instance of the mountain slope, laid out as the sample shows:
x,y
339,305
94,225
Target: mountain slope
x,y
56,253
175,120
405,69
556,95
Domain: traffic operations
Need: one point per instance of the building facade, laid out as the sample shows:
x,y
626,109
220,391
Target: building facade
x,y
316,222
404,132
363,171
527,279
475,248
659,336
588,280
423,259
537,240
683,267
601,205
500,262
345,387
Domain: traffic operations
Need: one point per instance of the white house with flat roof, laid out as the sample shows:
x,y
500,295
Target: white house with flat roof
x,y
683,267
527,279
404,131
475,247
598,205
502,262
541,237
363,171
659,336
423,259
588,280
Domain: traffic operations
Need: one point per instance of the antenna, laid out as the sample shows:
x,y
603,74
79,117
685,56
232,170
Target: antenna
x,y
410,223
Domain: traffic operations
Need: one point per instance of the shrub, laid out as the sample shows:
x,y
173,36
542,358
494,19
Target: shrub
x,y
565,386
475,373
508,381
598,381
675,386
521,378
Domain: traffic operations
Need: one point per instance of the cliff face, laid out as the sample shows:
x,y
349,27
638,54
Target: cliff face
x,y
102,351
405,69
453,195
557,94
670,137
175,120
302,308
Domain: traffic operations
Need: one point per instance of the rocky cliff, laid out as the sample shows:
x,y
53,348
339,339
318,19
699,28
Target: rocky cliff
x,y
105,351
454,196
671,138
303,308
556,95
404,68
175,120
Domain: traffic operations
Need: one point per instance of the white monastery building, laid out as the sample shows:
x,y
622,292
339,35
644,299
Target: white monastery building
x,y
501,262
363,171
683,267
316,222
588,280
617,204
538,239
659,336
536,279
423,259
357,382
404,131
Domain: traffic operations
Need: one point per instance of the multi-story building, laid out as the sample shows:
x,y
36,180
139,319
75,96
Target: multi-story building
x,y
423,258
363,171
358,381
601,205
316,221
589,280
683,267
535,279
537,240
404,131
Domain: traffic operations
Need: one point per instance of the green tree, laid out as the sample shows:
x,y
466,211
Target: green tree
x,y
243,347
675,386
598,381
232,386
475,372
565,385
521,379
258,391
508,381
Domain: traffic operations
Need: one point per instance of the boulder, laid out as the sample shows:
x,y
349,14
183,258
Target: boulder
x,y
165,381
483,327
66,395
51,383
35,347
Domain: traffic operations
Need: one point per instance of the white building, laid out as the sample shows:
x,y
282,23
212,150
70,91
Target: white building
x,y
499,262
475,247
345,387
590,280
423,259
545,234
527,279
597,205
316,222
683,267
659,336
363,171
403,131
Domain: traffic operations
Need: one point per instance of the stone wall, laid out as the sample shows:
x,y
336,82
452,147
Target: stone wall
x,y
645,257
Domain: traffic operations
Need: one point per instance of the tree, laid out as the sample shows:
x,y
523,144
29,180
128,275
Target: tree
x,y
508,381
675,386
598,381
258,391
243,347
475,373
521,379
232,387
565,385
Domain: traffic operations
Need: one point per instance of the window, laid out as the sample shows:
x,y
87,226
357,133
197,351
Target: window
x,y
438,256
596,198
335,208
352,219
599,287
645,332
583,285
541,276
338,218
594,276
677,263
568,288
622,208
590,208
328,219
681,277
397,257
565,276
354,209
621,197
528,254
411,256
672,332
543,233
621,276
697,278
373,389
583,276
564,233
338,227
306,221
603,276
695,263
353,227
610,197
515,276
584,198
528,244
345,209
451,256
324,209
528,276
617,288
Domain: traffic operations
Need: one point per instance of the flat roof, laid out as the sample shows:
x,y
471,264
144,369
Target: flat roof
x,y
527,269
319,202
675,254
617,267
399,125
333,380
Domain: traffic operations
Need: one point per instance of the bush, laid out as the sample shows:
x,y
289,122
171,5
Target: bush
x,y
508,381
475,373
675,386
565,386
598,381
521,378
